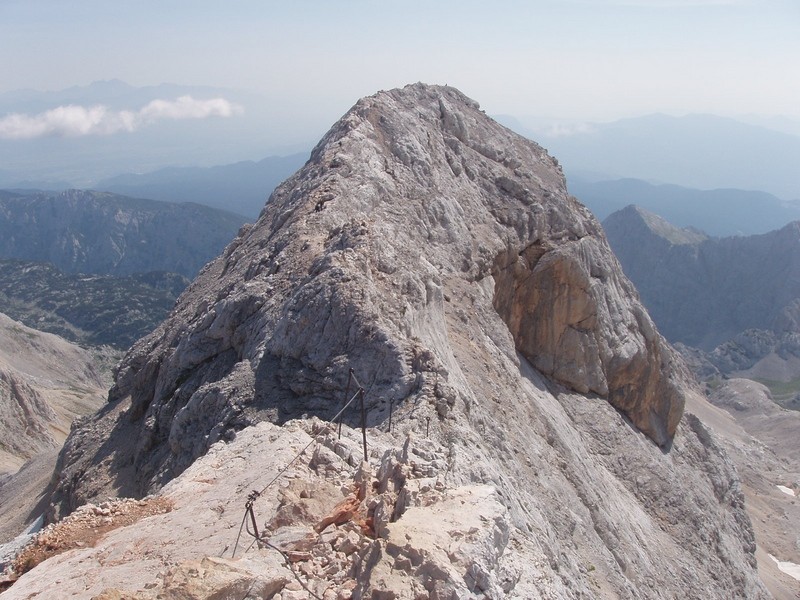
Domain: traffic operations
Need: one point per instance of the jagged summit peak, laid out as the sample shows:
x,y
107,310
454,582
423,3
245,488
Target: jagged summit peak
x,y
438,256
413,195
416,92
790,230
423,128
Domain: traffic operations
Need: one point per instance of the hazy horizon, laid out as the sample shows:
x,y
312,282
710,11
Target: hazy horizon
x,y
263,78
311,61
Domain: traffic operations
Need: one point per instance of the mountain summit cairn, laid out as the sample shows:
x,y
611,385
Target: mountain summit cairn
x,y
439,256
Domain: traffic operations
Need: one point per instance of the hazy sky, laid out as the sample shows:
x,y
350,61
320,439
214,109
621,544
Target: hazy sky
x,y
584,59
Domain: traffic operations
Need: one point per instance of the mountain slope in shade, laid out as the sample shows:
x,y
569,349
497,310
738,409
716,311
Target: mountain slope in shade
x,y
438,256
82,231
45,382
704,291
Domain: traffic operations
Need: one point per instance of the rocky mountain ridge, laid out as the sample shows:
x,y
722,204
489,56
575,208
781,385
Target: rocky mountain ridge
x,y
717,212
45,384
759,437
438,256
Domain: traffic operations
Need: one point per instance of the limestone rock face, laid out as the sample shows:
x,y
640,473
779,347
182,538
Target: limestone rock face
x,y
602,517
761,440
25,417
576,319
409,194
439,256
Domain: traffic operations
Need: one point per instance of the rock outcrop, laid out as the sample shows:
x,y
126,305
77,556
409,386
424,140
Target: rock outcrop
x,y
25,418
418,529
439,256
45,384
761,437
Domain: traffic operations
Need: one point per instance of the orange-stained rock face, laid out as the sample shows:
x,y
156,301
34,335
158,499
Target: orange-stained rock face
x,y
577,319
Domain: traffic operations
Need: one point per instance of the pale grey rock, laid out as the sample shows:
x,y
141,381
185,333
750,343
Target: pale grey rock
x,y
603,515
753,407
699,362
404,250
744,350
449,549
185,551
25,418
294,539
760,437
11,549
751,347
755,354
215,578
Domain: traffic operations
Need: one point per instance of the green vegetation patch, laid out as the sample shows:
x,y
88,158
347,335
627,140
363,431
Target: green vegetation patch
x,y
784,393
95,310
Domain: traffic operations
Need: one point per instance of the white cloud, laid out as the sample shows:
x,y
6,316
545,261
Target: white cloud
x,y
74,121
187,107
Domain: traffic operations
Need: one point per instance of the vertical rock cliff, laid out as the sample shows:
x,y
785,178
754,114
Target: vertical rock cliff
x,y
439,256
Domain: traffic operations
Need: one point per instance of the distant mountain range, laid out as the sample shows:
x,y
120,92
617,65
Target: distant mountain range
x,y
730,305
99,268
82,231
241,187
245,186
698,151
721,212
704,291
